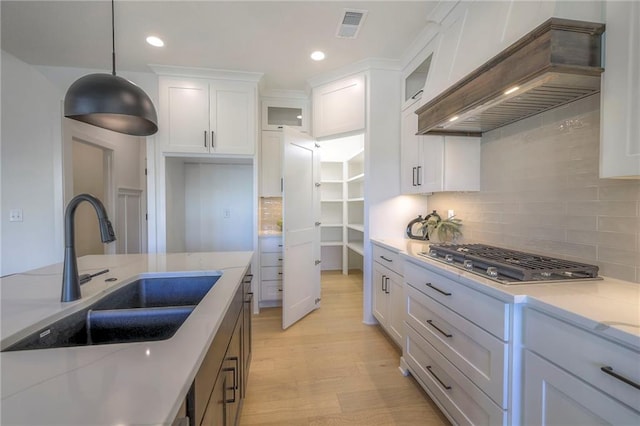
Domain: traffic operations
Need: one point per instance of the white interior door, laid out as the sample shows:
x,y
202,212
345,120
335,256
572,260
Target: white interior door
x,y
301,234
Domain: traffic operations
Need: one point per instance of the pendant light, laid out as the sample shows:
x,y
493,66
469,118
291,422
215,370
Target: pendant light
x,y
111,102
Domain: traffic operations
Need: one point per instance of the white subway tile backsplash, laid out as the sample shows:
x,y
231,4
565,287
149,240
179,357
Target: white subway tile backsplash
x,y
541,192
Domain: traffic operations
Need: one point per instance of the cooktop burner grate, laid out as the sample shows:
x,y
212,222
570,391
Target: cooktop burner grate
x,y
515,264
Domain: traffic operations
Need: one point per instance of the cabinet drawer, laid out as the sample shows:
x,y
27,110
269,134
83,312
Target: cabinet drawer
x,y
270,244
271,290
482,357
554,397
271,259
388,258
583,354
479,308
464,402
270,273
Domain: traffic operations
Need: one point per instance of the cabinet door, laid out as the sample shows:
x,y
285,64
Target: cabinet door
x,y
433,164
552,396
620,98
184,115
411,155
301,233
451,163
214,414
461,164
233,367
277,113
247,341
271,164
380,299
339,107
233,118
397,307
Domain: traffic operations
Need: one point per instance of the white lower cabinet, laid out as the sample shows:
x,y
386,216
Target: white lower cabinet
x,y
271,261
478,354
458,396
575,377
388,294
457,346
554,397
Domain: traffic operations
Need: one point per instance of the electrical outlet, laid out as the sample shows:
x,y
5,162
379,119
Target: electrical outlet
x,y
450,213
15,215
226,213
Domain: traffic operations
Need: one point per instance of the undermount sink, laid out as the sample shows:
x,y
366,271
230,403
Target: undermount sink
x,y
147,309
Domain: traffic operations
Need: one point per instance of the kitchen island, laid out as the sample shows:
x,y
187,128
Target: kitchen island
x,y
123,384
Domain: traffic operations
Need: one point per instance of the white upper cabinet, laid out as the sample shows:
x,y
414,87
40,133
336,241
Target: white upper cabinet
x,y
451,163
411,153
437,163
339,107
207,116
277,113
271,164
620,96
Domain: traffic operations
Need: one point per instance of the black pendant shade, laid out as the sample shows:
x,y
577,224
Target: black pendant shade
x,y
113,103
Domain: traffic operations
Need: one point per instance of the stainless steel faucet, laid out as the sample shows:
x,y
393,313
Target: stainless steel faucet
x,y
70,278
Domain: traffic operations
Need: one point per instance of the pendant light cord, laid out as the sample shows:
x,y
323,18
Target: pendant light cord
x,y
113,40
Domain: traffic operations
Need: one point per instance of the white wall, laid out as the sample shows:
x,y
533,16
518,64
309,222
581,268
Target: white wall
x,y
541,192
33,163
219,207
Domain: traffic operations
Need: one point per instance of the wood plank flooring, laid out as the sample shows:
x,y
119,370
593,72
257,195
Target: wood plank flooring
x,y
330,368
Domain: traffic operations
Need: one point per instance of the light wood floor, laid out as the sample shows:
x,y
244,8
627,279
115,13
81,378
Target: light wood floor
x,y
330,368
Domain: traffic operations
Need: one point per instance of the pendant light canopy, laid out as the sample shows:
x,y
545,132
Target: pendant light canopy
x,y
111,102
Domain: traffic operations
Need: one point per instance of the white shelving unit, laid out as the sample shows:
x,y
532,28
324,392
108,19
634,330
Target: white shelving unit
x,y
342,213
355,207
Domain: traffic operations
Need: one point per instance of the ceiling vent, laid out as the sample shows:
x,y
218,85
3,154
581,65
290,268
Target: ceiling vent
x,y
350,23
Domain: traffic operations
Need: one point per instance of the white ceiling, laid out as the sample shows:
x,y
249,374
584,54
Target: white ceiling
x,y
272,37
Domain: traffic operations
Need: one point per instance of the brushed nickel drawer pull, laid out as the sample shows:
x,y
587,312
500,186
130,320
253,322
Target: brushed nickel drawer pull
x,y
438,290
437,378
609,370
384,258
430,322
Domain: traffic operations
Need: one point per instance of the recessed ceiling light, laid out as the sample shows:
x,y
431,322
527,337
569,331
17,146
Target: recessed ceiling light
x,y
454,118
155,41
317,55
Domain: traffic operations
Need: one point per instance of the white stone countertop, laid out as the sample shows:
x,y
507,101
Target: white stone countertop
x,y
142,383
608,307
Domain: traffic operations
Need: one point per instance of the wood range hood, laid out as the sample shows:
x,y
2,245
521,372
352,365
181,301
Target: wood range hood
x,y
556,63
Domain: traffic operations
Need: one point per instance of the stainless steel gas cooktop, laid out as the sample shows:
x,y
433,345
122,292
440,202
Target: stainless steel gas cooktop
x,y
508,266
